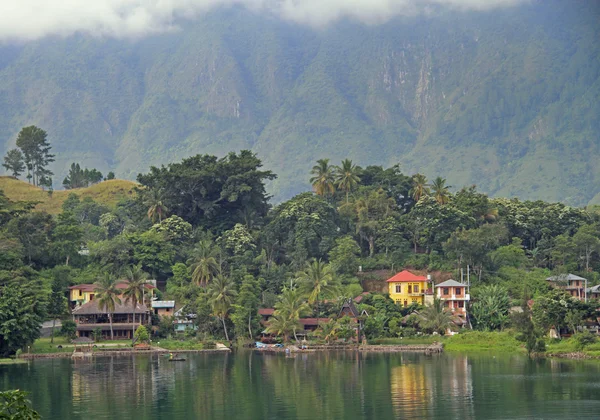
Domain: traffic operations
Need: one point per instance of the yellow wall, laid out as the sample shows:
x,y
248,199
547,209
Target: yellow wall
x,y
84,297
404,295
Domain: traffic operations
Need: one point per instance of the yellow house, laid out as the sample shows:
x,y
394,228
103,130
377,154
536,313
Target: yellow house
x,y
84,293
406,288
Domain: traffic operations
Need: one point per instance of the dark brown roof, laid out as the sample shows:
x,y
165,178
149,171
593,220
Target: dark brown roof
x,y
349,306
266,311
313,321
91,308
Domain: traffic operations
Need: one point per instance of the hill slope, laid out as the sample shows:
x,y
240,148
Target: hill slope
x,y
507,100
108,193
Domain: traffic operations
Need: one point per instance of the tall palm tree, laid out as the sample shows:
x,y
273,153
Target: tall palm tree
x,y
135,291
437,318
204,265
441,191
221,293
323,180
107,296
420,187
346,176
156,207
318,280
289,308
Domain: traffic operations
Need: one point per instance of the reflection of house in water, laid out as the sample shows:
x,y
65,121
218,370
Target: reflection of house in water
x,y
432,387
410,390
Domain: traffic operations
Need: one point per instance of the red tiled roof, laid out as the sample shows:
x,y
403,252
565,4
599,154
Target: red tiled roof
x,y
266,311
406,276
360,297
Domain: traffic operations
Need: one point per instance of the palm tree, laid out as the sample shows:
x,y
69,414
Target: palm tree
x,y
441,191
323,180
437,318
420,187
318,280
107,296
221,294
289,308
135,291
346,176
204,265
156,207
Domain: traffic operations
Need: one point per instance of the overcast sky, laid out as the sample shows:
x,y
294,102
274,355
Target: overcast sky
x,y
23,20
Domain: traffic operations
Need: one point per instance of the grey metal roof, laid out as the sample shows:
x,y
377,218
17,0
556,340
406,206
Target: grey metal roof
x,y
163,303
565,277
593,289
450,283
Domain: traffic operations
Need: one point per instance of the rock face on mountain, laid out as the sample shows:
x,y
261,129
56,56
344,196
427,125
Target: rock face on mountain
x,y
507,100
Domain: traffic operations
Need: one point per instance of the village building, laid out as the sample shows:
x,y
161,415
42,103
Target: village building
x,y
163,307
454,296
572,284
594,292
184,320
83,293
89,318
406,288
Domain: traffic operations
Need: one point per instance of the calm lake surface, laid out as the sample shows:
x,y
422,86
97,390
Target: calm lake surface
x,y
344,385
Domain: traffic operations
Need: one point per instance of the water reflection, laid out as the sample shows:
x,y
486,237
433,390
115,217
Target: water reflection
x,y
348,385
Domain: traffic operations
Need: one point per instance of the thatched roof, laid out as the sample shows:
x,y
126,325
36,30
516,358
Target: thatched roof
x,y
91,308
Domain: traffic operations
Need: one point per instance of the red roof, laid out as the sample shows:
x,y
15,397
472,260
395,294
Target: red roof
x,y
313,321
266,311
406,276
360,297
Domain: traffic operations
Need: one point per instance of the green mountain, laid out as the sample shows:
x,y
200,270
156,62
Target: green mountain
x,y
507,100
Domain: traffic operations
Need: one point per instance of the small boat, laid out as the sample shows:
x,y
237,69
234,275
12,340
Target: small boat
x,y
180,359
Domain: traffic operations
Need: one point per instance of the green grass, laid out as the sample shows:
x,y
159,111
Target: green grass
x,y
12,361
108,193
570,346
504,342
184,345
43,345
424,340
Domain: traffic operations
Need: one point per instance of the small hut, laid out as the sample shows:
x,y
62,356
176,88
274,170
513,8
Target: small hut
x,y
82,347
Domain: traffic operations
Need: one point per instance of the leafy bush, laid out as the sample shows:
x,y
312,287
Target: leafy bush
x,y
583,339
68,329
14,406
141,334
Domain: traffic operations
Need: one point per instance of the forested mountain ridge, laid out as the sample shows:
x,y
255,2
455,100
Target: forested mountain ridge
x,y
507,100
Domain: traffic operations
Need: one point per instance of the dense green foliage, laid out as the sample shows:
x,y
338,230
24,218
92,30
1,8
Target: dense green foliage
x,y
224,252
15,406
505,99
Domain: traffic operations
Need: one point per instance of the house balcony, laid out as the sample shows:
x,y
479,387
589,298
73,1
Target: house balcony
x,y
416,294
454,297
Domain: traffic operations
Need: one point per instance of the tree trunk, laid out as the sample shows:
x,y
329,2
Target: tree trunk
x,y
53,325
67,261
371,246
225,329
250,325
133,324
295,336
112,336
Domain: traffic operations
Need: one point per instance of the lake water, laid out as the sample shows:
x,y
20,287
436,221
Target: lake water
x,y
344,385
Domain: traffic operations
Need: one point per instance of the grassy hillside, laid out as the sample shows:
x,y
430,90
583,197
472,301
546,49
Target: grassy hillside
x,y
507,100
107,192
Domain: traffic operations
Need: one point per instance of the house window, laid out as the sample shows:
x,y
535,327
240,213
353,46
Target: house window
x,y
410,288
398,288
405,303
461,304
458,291
447,303
416,288
80,292
445,291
